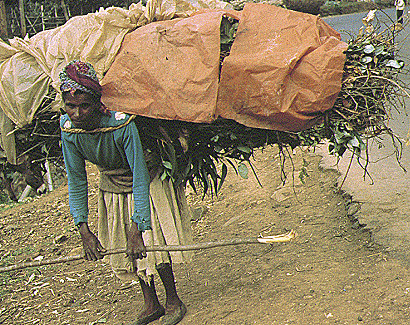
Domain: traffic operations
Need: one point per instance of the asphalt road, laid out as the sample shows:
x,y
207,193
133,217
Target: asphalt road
x,y
385,197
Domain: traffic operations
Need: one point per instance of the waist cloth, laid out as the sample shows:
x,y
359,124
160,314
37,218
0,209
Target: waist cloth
x,y
170,222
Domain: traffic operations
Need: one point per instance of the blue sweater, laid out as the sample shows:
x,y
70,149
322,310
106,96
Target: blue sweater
x,y
116,149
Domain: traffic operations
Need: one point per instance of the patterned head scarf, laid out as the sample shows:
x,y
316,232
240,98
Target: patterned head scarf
x,y
78,75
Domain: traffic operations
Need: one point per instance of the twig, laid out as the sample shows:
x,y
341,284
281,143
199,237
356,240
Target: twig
x,y
30,149
390,81
168,248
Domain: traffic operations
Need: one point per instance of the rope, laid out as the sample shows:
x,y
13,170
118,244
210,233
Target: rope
x,y
99,130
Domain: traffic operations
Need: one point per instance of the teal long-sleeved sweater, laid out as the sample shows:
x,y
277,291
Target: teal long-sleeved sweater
x,y
116,149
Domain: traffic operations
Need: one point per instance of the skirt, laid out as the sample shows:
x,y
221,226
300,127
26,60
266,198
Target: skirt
x,y
170,223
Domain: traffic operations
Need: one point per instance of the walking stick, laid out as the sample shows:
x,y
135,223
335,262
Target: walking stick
x,y
169,248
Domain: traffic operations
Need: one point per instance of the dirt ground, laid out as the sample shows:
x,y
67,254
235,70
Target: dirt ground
x,y
332,273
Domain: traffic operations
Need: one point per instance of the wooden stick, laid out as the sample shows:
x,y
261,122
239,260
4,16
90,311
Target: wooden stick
x,y
23,26
66,16
168,248
3,20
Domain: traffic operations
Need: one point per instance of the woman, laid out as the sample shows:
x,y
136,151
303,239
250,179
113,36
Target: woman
x,y
128,215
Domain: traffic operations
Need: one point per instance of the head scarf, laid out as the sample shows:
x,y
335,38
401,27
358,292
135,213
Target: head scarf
x,y
78,75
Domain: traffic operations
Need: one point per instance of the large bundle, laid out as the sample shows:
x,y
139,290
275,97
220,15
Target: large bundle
x,y
195,140
277,76
229,132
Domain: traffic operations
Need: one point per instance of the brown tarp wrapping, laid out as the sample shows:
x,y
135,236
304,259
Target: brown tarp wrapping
x,y
168,69
284,68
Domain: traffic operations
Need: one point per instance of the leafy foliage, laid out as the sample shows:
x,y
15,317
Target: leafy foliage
x,y
307,6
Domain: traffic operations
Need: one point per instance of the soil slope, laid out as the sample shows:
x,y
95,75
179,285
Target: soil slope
x,y
333,273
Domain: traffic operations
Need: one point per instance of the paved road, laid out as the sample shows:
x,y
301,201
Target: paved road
x,y
386,197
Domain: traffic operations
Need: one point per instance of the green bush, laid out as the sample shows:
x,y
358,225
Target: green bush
x,y
384,3
307,6
239,4
335,7
352,7
332,7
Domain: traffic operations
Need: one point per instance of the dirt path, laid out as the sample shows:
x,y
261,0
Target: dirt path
x,y
333,273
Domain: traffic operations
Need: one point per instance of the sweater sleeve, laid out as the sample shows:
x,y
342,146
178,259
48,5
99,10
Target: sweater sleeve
x,y
77,181
141,181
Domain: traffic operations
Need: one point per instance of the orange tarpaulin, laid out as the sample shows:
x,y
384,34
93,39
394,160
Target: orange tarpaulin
x,y
284,68
168,69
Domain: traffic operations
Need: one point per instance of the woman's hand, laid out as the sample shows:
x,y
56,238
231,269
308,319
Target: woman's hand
x,y
92,247
135,244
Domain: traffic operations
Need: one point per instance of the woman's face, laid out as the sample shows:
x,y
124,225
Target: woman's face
x,y
83,110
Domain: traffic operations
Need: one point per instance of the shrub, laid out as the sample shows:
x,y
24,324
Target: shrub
x,y
239,4
333,7
307,6
384,3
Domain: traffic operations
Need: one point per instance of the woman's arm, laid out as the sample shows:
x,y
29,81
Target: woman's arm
x,y
141,180
77,181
